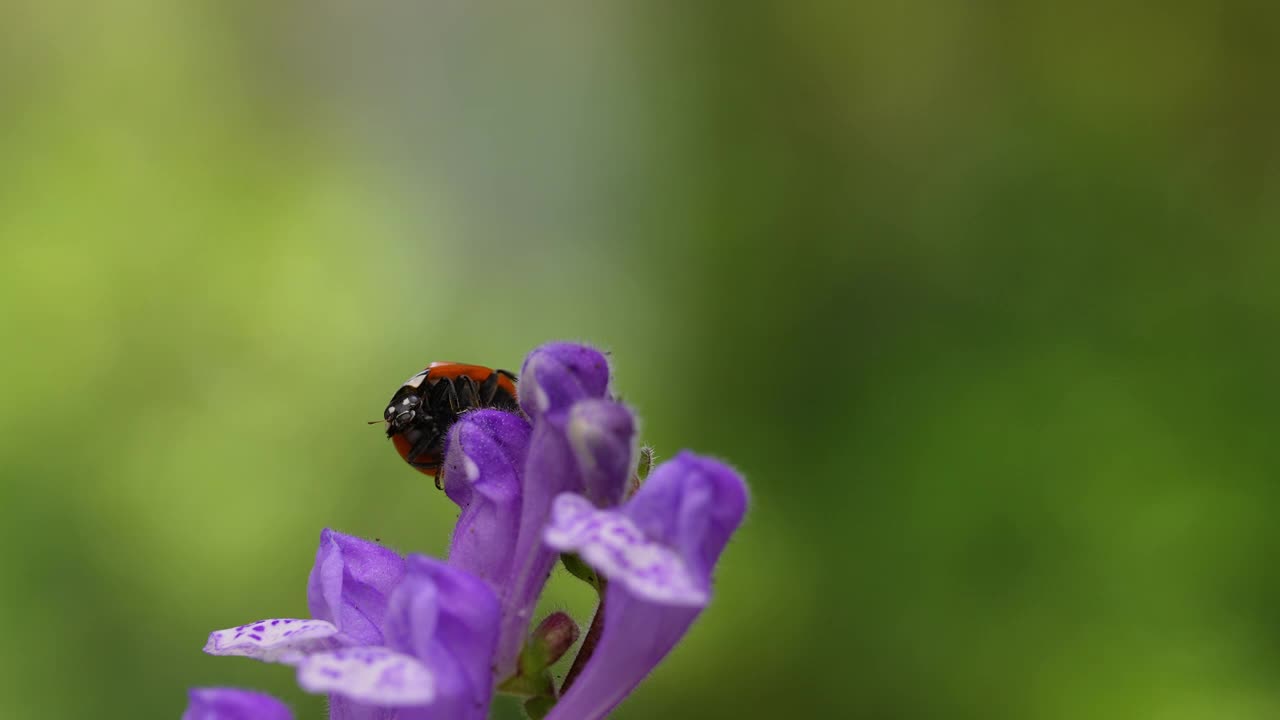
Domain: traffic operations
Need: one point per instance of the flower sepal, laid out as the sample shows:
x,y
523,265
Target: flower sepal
x,y
579,569
528,686
539,707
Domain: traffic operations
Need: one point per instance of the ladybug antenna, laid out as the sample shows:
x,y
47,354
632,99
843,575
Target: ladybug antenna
x,y
375,422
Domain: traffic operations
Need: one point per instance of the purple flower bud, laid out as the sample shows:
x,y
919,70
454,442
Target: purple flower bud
x,y
349,585
557,375
484,462
602,434
657,552
233,704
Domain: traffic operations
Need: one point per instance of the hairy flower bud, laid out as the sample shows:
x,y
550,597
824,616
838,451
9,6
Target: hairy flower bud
x,y
553,637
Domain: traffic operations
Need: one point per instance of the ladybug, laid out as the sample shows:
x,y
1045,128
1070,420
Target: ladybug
x,y
424,408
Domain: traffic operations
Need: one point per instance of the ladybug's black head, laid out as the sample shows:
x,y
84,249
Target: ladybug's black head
x,y
403,412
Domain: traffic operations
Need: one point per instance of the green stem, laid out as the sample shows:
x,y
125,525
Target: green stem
x,y
588,643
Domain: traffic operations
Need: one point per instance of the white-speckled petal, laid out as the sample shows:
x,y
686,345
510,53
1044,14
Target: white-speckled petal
x,y
612,544
282,640
370,675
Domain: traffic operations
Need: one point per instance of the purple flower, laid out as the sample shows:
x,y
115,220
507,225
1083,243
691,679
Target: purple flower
x,y
447,618
504,476
415,634
657,552
233,704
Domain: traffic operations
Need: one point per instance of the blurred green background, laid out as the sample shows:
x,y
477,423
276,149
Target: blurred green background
x,y
982,298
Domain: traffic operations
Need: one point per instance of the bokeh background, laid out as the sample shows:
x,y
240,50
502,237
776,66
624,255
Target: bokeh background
x,y
982,298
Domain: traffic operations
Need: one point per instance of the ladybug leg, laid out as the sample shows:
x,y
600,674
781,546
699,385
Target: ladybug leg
x,y
438,394
489,388
468,395
432,468
449,394
436,391
416,452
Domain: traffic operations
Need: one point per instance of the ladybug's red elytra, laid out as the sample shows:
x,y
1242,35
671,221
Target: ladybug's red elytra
x,y
428,404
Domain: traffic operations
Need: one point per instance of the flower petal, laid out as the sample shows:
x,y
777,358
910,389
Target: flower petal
x,y
483,465
693,504
690,506
612,544
370,675
556,375
340,708
349,585
233,704
282,640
